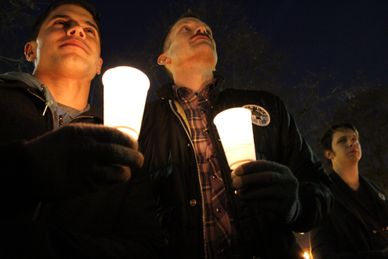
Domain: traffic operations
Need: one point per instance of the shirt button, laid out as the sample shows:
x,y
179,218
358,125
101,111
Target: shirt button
x,y
374,231
218,210
193,202
213,177
211,157
60,120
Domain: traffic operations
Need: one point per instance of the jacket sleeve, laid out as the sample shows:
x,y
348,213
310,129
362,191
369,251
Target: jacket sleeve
x,y
314,193
323,241
136,232
324,244
15,183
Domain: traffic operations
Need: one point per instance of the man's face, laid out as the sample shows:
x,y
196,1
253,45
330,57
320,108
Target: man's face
x,y
346,148
68,43
190,41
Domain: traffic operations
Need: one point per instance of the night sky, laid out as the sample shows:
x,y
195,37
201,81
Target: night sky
x,y
344,36
341,37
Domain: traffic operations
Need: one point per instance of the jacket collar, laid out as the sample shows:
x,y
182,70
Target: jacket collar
x,y
91,115
345,189
28,80
167,91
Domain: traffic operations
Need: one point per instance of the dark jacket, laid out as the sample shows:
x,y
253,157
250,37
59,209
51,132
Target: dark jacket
x,y
116,222
350,231
170,158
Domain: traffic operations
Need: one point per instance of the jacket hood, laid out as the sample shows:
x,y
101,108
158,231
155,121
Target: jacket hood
x,y
32,84
28,80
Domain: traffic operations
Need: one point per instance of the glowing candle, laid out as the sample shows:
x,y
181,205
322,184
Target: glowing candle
x,y
234,127
125,93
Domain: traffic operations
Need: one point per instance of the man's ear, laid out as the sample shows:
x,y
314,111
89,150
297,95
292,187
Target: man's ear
x,y
328,154
30,51
163,59
99,65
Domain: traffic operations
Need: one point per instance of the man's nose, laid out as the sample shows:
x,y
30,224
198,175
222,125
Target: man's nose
x,y
353,142
77,31
202,29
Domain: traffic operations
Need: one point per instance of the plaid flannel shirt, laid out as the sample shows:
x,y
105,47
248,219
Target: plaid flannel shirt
x,y
217,223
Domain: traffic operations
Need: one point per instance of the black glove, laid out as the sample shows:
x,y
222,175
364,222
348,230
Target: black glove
x,y
270,188
80,158
384,252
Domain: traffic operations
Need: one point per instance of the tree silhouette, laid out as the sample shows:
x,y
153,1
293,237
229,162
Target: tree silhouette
x,y
367,108
16,17
244,55
248,61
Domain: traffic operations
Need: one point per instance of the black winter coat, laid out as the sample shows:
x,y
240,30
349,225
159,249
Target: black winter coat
x,y
350,231
170,159
117,222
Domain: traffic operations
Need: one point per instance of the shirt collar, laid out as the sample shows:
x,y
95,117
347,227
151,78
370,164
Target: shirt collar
x,y
186,94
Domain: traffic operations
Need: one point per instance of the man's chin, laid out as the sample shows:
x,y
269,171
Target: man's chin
x,y
207,53
204,43
76,67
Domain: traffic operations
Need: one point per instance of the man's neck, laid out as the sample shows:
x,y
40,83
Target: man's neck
x,y
193,79
349,174
68,91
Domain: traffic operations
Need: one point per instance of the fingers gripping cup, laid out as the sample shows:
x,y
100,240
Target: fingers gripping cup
x,y
125,93
234,127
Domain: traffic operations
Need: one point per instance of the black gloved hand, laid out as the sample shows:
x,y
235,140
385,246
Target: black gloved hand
x,y
80,158
269,187
384,252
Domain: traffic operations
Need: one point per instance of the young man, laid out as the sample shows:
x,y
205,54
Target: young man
x,y
203,217
64,187
357,226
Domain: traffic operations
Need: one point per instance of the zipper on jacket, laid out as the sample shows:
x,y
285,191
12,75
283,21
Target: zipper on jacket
x,y
47,104
45,109
36,95
198,174
40,203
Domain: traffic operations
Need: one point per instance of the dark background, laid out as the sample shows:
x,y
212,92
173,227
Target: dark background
x,y
326,59
345,37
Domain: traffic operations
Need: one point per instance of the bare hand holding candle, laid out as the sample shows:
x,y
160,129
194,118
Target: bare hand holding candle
x,y
125,93
234,127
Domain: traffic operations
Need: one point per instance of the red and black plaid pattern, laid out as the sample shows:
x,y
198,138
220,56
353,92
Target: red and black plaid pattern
x,y
217,226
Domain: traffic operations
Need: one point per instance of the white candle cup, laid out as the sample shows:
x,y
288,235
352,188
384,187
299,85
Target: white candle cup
x,y
234,127
125,94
